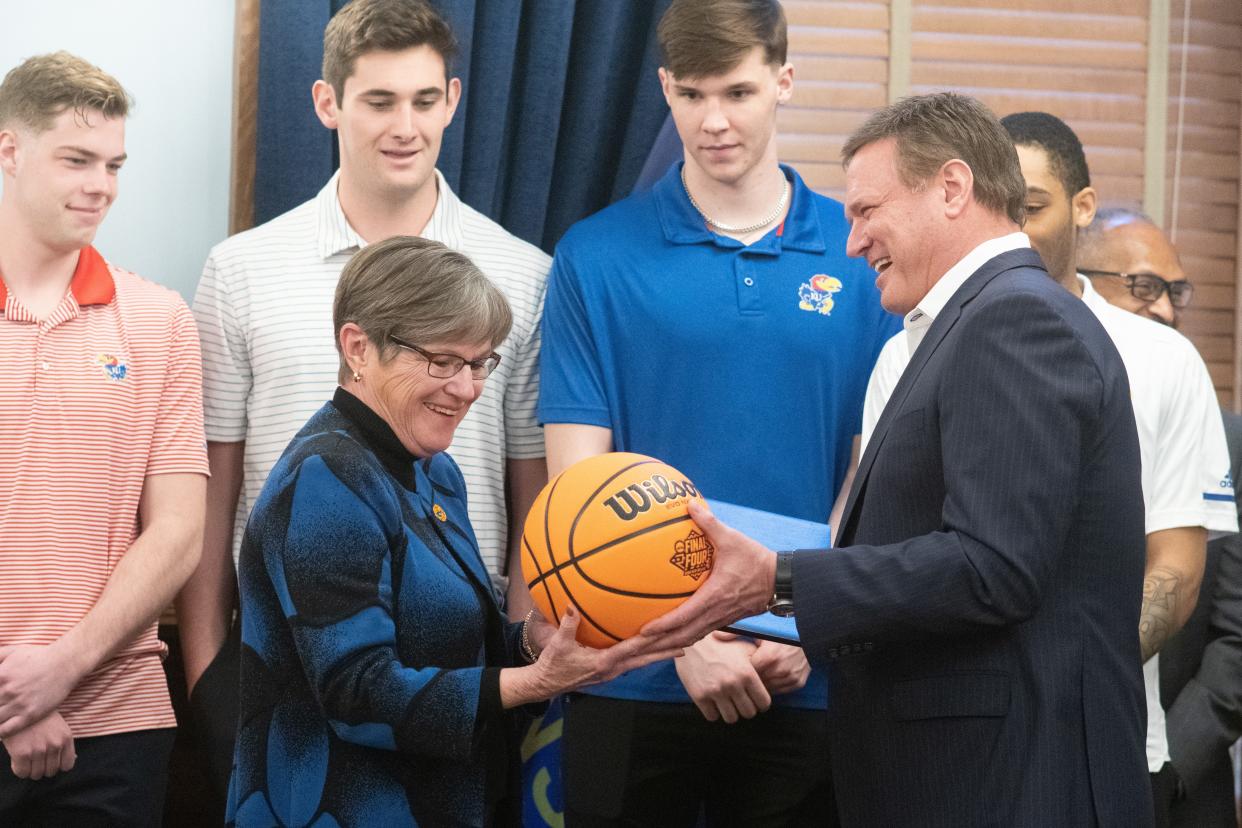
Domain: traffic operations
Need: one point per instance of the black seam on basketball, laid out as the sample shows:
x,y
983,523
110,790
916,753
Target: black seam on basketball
x,y
543,576
552,555
547,530
556,568
605,546
547,545
569,596
547,539
541,579
573,526
574,561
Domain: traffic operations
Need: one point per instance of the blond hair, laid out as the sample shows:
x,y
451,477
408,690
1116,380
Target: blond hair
x,y
36,92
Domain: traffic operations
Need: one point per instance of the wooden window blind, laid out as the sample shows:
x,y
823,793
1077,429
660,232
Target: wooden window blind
x,y
840,55
1201,206
1086,61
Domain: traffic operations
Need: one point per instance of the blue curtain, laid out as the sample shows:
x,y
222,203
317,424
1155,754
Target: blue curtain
x,y
666,150
561,107
294,154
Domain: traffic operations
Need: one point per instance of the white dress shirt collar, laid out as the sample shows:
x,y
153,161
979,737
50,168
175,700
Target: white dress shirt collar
x,y
929,307
1090,296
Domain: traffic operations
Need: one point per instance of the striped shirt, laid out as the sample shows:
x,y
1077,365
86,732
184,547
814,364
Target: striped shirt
x,y
101,394
264,312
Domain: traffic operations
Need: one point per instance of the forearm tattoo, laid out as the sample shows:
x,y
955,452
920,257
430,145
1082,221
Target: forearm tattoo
x,y
1158,617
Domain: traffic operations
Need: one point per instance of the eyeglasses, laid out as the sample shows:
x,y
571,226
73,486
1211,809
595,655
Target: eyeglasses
x,y
1149,287
446,366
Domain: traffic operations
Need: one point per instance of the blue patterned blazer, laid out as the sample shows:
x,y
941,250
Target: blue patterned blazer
x,y
372,641
982,614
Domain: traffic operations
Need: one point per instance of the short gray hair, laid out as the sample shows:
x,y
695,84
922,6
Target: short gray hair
x,y
1092,241
933,129
419,291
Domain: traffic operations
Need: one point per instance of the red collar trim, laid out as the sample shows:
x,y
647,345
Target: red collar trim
x,y
92,282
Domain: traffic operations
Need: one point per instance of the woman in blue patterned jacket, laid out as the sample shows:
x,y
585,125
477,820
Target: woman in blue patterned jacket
x,y
377,669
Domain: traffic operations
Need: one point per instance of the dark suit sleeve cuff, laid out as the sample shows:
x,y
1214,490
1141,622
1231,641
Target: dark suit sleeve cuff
x,y
812,599
490,708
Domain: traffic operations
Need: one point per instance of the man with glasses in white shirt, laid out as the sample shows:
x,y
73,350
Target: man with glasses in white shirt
x,y
1153,285
1132,261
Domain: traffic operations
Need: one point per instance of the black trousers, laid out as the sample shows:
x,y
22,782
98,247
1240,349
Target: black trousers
x,y
653,764
202,755
1164,792
117,782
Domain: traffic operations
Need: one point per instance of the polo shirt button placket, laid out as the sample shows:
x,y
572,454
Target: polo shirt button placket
x,y
748,298
39,363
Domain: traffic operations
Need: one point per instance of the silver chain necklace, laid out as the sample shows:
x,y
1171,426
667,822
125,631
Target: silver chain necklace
x,y
750,228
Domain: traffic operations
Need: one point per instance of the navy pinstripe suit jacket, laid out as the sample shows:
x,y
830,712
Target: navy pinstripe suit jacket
x,y
982,612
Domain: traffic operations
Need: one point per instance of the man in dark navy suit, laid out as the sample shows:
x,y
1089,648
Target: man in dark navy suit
x,y
982,613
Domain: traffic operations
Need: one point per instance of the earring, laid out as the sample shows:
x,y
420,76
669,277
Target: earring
x,y
357,377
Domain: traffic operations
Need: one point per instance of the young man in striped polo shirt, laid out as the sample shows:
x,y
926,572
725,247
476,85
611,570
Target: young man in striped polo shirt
x,y
102,467
264,308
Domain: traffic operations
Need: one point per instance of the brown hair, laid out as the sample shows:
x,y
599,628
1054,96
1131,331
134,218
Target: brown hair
x,y
699,38
420,291
365,26
36,92
933,129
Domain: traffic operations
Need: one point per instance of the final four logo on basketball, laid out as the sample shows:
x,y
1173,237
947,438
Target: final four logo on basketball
x,y
693,556
636,498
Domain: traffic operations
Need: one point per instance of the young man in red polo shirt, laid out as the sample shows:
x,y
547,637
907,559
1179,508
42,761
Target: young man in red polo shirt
x,y
102,467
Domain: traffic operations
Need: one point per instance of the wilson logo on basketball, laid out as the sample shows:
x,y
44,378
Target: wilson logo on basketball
x,y
620,565
693,556
636,498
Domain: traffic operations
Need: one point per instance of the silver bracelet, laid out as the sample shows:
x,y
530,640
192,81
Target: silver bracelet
x,y
528,652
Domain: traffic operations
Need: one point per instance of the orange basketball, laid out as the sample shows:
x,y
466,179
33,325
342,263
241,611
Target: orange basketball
x,y
612,536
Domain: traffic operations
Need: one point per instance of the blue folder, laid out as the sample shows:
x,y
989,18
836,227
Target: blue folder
x,y
777,532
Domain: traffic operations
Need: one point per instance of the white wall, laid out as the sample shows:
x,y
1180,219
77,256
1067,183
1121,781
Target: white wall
x,y
176,59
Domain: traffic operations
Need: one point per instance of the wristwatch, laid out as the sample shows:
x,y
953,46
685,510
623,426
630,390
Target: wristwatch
x,y
781,603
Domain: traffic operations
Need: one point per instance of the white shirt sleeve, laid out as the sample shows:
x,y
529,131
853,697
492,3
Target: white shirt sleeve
x,y
523,434
1191,484
226,361
891,364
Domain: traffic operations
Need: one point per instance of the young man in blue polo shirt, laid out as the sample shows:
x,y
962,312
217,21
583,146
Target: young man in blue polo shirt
x,y
716,323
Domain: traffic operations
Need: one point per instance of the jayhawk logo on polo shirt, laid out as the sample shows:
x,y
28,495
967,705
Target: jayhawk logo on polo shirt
x,y
816,294
112,366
